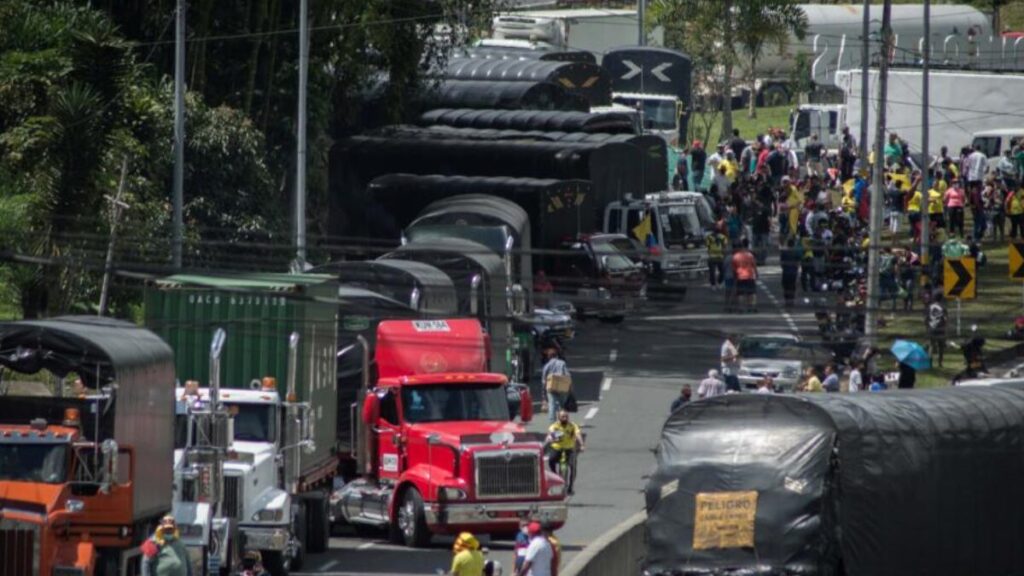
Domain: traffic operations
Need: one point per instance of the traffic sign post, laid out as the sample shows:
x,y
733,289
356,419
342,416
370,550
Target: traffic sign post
x,y
959,280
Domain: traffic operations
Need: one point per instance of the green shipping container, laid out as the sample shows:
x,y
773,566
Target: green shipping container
x,y
259,312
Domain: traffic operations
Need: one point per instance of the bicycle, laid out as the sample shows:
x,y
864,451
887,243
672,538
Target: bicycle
x,y
565,467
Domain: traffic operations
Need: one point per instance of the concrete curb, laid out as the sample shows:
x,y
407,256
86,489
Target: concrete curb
x,y
613,553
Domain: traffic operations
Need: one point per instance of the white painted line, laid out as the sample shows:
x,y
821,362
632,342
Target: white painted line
x,y
606,384
329,565
366,546
613,355
591,413
785,314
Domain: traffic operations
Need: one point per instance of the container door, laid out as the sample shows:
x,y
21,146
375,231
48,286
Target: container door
x,y
390,441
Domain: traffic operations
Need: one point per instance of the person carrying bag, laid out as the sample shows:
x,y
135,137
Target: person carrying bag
x,y
557,383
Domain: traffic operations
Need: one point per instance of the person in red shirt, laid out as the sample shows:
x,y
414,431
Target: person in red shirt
x,y
744,267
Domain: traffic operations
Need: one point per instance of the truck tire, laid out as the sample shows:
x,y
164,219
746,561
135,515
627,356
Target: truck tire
x,y
318,529
299,526
276,563
410,523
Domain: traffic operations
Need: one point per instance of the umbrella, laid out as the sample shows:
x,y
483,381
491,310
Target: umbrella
x,y
911,354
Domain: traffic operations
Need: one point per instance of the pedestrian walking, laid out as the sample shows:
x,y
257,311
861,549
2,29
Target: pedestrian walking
x,y
811,381
831,381
539,554
716,244
954,200
745,268
730,357
937,328
557,381
522,542
908,376
765,386
467,559
164,554
856,381
684,397
711,386
790,261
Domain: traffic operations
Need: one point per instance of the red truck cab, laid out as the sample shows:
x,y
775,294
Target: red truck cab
x,y
442,454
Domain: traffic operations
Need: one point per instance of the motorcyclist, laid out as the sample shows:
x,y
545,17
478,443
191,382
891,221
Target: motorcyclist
x,y
564,436
252,564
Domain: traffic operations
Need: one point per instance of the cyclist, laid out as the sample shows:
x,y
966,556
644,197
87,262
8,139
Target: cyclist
x,y
564,437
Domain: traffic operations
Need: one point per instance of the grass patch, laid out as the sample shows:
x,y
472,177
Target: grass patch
x,y
773,117
999,300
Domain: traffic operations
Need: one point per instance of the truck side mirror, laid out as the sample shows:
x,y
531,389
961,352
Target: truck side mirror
x,y
525,405
518,299
371,410
604,262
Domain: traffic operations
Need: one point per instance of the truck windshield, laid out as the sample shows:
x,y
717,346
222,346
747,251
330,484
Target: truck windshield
x,y
36,462
679,223
658,114
447,403
254,422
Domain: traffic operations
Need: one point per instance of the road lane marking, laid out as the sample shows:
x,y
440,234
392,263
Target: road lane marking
x,y
606,384
329,565
782,310
591,413
367,546
613,355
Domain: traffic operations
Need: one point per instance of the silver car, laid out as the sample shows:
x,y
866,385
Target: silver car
x,y
780,356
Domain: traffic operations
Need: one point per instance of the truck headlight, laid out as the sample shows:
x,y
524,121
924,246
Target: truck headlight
x,y
453,494
268,515
74,505
556,490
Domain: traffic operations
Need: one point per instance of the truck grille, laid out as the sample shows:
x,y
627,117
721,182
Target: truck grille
x,y
507,474
19,548
232,497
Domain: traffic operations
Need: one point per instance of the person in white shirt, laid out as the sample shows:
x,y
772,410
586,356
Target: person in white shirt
x,y
856,378
977,165
538,553
711,386
730,357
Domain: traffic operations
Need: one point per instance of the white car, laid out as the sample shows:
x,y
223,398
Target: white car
x,y
779,355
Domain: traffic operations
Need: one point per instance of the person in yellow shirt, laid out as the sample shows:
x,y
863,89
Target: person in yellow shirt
x,y
812,383
914,213
731,167
1015,210
849,204
468,559
794,201
935,213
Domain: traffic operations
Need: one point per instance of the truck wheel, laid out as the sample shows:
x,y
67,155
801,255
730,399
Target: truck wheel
x,y
318,528
410,521
275,562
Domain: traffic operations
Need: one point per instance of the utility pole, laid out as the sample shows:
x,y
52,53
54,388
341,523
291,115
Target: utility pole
x,y
179,135
116,206
926,176
865,69
300,154
875,223
640,12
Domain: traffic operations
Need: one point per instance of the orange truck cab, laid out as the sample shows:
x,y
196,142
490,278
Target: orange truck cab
x,y
439,453
70,463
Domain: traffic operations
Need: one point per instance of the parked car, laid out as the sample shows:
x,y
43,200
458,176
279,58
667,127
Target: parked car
x,y
781,356
597,277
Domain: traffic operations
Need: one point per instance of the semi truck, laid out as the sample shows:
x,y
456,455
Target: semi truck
x,y
658,83
279,380
961,103
84,471
437,453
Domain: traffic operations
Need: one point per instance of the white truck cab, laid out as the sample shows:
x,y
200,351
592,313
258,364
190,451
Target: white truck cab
x,y
253,499
825,120
668,224
659,113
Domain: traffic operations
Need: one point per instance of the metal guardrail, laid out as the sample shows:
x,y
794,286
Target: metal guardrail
x,y
618,552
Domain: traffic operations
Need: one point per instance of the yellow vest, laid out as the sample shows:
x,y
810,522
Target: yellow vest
x,y
914,205
1016,207
934,202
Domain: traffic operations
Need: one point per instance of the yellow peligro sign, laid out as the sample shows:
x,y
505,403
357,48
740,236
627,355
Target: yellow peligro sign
x,y
724,520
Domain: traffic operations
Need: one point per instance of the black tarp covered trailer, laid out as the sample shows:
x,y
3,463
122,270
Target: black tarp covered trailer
x,y
915,482
421,286
585,79
522,53
608,122
614,169
655,149
520,95
557,209
130,372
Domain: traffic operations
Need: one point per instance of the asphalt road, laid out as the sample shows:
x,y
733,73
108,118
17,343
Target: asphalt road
x,y
626,376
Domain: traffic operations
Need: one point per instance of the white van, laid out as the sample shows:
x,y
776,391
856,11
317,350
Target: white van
x,y
676,247
995,142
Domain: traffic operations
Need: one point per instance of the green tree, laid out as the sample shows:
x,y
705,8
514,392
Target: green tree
x,y
764,23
